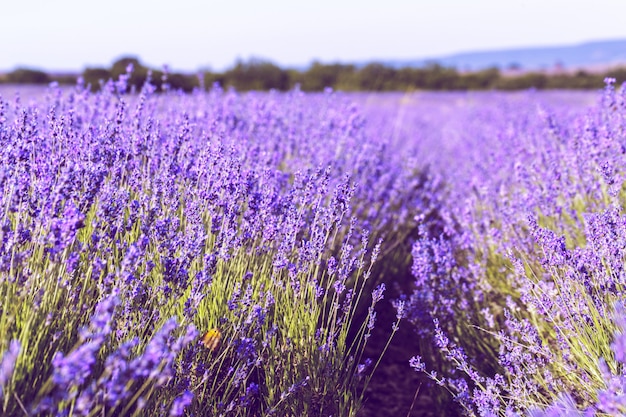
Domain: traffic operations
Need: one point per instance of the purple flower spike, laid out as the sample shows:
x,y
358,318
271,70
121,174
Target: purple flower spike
x,y
180,403
7,364
619,343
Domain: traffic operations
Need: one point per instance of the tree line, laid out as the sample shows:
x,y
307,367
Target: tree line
x,y
257,74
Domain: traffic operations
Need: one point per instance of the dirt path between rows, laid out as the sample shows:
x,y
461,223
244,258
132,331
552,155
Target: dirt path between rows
x,y
392,390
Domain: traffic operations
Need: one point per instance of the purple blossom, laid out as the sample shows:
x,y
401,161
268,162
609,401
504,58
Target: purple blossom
x,y
416,363
75,368
377,294
619,343
565,406
63,230
7,364
180,403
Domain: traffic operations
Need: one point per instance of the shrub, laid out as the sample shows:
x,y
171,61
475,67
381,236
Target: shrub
x,y
27,76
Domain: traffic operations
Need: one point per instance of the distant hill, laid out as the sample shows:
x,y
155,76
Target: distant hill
x,y
596,54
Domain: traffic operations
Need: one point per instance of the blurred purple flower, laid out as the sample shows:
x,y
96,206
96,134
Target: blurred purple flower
x,y
7,364
180,403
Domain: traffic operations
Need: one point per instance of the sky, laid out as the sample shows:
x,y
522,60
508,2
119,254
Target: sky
x,y
191,35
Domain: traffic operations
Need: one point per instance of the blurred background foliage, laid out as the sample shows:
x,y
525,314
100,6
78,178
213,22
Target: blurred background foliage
x,y
260,74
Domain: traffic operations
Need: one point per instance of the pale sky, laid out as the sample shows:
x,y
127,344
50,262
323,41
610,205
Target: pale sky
x,y
194,34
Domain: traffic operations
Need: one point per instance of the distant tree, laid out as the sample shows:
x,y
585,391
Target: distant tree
x,y
66,79
211,78
479,80
138,75
320,76
559,81
294,77
121,65
523,82
582,79
618,73
183,82
438,77
257,74
28,76
93,76
377,77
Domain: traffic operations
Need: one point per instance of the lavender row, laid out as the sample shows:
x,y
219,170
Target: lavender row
x,y
207,254
520,289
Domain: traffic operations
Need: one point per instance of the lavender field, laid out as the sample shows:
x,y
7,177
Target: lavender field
x,y
230,254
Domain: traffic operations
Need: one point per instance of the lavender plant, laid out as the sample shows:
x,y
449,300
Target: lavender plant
x,y
204,254
523,277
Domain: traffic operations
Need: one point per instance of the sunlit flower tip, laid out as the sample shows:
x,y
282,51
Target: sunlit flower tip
x,y
378,292
416,363
609,81
211,339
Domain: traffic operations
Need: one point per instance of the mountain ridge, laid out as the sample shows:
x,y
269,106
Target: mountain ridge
x,y
581,55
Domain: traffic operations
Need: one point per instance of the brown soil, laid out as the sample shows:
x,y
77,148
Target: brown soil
x,y
396,390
